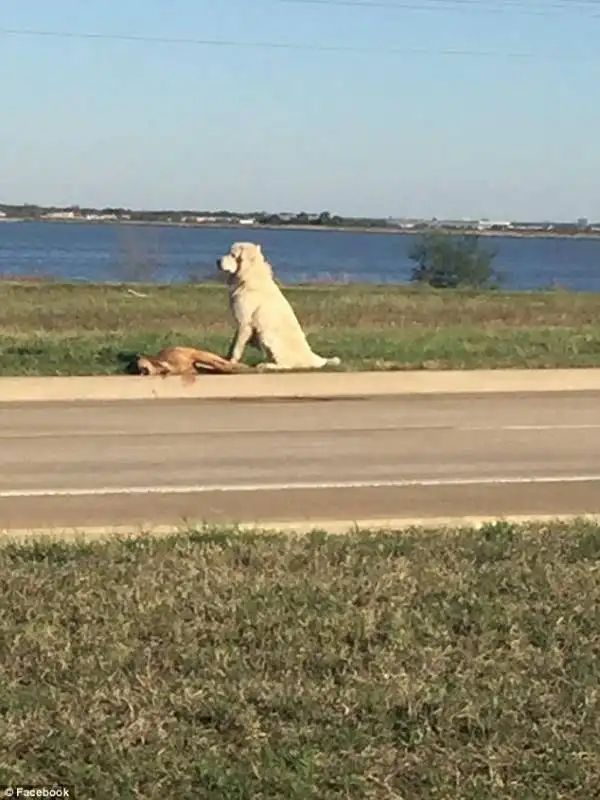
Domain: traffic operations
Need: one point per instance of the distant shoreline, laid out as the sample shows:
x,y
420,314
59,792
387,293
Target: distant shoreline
x,y
504,234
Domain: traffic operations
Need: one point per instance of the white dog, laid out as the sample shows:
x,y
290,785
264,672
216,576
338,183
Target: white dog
x,y
263,314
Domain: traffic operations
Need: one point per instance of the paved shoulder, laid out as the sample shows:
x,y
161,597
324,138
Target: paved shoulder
x,y
120,462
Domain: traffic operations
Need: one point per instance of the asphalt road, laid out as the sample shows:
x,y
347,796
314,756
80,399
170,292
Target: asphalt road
x,y
164,461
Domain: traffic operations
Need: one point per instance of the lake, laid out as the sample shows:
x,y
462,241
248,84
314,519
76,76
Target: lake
x,y
99,253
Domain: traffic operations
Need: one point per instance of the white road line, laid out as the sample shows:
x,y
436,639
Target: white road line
x,y
284,487
329,429
565,427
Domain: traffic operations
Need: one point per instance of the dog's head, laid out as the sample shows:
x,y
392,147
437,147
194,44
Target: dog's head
x,y
245,264
129,362
147,366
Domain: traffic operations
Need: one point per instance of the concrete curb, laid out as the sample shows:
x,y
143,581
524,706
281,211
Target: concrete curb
x,y
296,385
300,528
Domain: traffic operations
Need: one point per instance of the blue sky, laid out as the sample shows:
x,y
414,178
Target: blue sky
x,y
376,132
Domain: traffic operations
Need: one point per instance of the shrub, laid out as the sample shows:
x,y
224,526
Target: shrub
x,y
446,261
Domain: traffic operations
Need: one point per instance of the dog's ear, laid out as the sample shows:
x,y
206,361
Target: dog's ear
x,y
130,362
247,250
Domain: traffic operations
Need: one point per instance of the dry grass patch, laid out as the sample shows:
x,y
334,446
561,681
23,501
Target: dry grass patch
x,y
52,328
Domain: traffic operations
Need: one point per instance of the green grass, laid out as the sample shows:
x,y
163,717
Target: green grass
x,y
60,329
398,665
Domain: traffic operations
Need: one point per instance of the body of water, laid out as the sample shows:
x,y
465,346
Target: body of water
x,y
98,253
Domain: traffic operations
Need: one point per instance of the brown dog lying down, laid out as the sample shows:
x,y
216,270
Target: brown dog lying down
x,y
186,361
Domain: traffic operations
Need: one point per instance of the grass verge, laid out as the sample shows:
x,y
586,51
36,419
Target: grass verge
x,y
385,665
60,329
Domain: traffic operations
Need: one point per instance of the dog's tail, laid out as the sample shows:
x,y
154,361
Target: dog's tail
x,y
335,361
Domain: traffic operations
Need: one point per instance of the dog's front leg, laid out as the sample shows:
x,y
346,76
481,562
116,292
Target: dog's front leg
x,y
239,342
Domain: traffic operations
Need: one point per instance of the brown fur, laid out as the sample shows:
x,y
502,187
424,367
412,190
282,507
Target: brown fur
x,y
185,361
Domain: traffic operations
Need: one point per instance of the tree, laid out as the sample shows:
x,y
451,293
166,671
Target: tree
x,y
446,261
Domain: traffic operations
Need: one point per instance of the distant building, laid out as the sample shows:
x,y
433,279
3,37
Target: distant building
x,y
459,224
100,217
488,224
533,226
60,215
405,224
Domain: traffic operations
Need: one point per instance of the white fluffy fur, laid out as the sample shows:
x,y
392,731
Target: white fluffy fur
x,y
263,314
